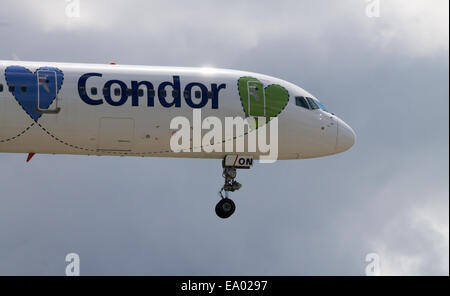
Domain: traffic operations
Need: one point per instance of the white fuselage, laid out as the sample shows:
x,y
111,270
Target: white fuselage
x,y
90,109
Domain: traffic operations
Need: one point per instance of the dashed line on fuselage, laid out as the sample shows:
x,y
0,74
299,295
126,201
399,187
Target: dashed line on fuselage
x,y
18,135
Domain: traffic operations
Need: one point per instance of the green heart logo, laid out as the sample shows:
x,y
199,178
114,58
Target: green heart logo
x,y
260,101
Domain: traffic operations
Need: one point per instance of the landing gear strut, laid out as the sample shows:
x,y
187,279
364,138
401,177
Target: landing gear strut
x,y
226,207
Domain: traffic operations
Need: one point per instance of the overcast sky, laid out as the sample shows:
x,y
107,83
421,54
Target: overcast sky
x,y
386,76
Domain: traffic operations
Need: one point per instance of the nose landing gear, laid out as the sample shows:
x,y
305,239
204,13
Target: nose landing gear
x,y
226,207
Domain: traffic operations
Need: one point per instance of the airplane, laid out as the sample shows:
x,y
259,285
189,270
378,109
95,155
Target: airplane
x,y
127,110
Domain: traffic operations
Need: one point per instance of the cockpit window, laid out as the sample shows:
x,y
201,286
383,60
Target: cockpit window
x,y
300,101
312,103
321,106
309,103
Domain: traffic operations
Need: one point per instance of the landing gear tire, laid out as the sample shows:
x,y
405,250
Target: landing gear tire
x,y
225,208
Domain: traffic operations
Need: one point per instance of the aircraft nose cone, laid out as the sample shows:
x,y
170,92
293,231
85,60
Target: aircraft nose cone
x,y
345,137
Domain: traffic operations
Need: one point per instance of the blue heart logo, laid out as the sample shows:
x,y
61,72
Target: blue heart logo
x,y
34,91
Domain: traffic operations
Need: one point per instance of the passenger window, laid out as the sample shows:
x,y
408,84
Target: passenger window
x,y
1,87
94,91
117,91
12,88
313,104
162,93
174,93
140,92
198,94
23,88
82,90
300,101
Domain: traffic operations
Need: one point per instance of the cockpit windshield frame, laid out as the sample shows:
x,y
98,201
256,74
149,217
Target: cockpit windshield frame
x,y
322,106
312,103
309,103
